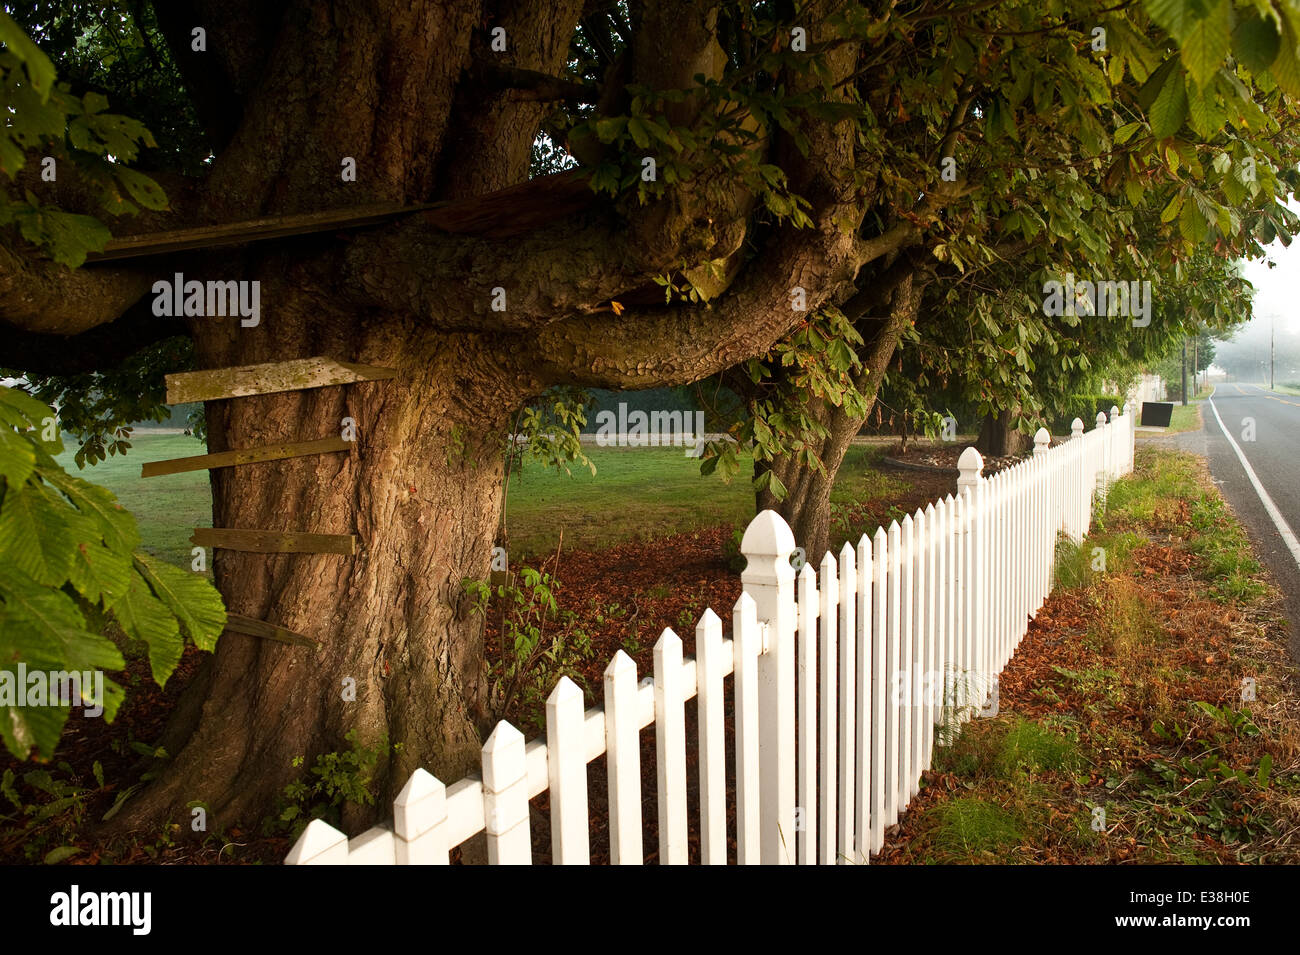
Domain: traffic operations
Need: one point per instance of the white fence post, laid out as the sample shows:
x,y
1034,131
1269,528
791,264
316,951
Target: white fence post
x,y
745,644
710,667
906,662
769,579
623,761
894,661
848,726
419,817
864,717
828,591
884,574
970,482
319,844
566,770
670,748
505,797
807,783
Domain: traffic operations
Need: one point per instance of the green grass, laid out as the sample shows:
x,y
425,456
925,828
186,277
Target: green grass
x,y
1290,388
651,493
637,492
166,508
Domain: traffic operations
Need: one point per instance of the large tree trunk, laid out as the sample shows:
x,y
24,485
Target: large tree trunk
x,y
421,493
999,435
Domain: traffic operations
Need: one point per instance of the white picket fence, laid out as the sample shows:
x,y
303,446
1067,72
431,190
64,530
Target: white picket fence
x,y
844,682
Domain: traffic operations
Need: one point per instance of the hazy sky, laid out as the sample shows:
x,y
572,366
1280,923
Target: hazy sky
x,y
1277,290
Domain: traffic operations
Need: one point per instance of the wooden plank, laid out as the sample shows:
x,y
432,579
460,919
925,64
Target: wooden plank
x,y
244,380
250,230
268,631
502,214
226,459
274,542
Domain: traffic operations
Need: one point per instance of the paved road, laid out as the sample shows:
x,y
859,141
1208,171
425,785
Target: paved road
x,y
1250,422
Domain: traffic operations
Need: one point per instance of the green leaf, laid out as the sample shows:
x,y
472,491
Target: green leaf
x,y
55,856
17,457
145,617
40,71
37,536
194,601
44,628
1173,16
1285,69
1207,41
1255,43
1170,107
99,574
116,526
142,189
1207,117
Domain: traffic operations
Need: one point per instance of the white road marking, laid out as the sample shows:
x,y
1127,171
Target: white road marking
x,y
1283,529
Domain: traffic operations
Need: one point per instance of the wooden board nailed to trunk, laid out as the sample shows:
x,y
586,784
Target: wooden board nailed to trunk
x,y
268,631
244,380
274,542
227,459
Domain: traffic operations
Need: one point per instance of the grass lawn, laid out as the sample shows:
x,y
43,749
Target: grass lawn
x,y
1185,418
637,492
650,493
166,508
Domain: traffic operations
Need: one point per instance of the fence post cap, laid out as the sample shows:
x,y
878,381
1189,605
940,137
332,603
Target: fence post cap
x,y
503,756
420,805
1041,440
767,546
1114,412
1076,428
317,840
620,664
1101,418
970,465
564,693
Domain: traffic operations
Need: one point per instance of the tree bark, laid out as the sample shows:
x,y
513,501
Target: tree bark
x,y
999,435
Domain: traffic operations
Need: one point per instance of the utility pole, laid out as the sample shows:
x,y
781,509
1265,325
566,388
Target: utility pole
x,y
1272,329
1184,369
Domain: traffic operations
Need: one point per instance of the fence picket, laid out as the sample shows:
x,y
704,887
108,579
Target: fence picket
x,y
710,665
893,707
807,641
828,591
862,718
884,575
848,572
623,761
670,748
505,797
745,641
566,763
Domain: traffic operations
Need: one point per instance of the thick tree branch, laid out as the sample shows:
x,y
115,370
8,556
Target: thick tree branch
x,y
239,35
98,348
532,85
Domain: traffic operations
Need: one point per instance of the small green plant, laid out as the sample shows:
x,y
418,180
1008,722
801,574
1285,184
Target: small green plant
x,y
334,780
51,815
731,551
540,643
